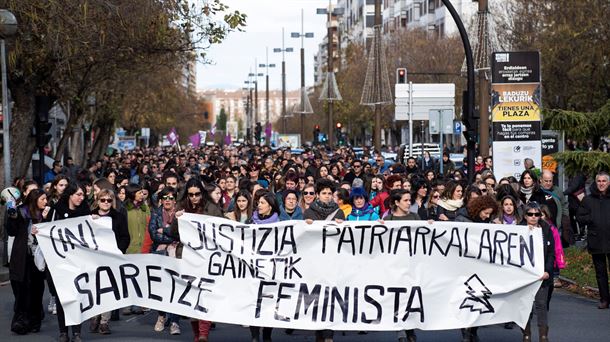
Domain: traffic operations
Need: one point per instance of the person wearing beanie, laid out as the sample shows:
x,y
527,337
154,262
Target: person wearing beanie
x,y
361,209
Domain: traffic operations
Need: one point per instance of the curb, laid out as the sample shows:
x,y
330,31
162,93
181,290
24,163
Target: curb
x,y
572,282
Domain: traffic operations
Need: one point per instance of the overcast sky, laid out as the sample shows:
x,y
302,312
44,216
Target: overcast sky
x,y
235,57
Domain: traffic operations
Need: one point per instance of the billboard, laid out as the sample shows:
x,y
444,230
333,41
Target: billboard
x,y
516,103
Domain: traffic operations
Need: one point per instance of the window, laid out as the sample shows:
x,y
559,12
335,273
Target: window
x,y
370,20
370,2
431,6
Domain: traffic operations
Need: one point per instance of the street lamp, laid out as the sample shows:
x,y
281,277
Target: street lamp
x,y
267,66
249,121
283,50
304,109
332,94
255,75
8,28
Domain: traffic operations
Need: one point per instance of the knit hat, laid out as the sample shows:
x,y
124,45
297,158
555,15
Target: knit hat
x,y
358,192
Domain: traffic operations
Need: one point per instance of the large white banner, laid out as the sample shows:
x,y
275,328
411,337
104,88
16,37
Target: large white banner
x,y
349,276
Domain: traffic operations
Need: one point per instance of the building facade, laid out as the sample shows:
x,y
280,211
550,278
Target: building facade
x,y
234,104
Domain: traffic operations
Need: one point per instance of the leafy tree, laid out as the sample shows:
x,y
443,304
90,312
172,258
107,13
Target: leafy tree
x,y
573,38
582,126
221,120
71,50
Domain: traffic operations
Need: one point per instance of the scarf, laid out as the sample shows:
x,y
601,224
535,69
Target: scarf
x,y
264,219
527,192
325,209
451,205
508,219
168,217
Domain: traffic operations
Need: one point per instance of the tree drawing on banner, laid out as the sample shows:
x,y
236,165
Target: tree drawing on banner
x,y
478,296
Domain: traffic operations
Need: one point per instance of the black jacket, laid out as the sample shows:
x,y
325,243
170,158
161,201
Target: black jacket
x,y
549,250
594,211
312,214
18,227
576,185
120,229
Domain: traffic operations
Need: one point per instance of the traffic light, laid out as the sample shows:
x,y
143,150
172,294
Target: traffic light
x,y
338,133
316,134
401,75
470,120
42,124
258,130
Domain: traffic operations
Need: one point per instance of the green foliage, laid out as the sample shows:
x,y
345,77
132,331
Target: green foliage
x,y
585,162
580,125
580,267
221,120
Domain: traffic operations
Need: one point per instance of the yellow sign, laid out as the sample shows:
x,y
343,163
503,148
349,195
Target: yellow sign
x,y
515,102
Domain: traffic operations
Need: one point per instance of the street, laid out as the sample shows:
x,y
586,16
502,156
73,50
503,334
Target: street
x,y
572,318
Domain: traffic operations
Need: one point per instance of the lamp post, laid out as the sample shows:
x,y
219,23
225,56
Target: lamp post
x,y
331,94
249,121
267,66
468,108
303,110
283,50
8,28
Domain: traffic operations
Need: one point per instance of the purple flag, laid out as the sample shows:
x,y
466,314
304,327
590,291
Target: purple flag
x,y
172,136
195,139
268,130
228,139
213,131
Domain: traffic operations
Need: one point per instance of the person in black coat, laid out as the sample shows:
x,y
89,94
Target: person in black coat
x,y
576,193
594,211
533,220
27,281
71,204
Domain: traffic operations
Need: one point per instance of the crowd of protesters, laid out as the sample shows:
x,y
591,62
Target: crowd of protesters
x,y
143,191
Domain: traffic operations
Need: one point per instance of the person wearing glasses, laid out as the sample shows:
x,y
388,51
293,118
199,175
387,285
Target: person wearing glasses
x,y
324,209
290,210
308,196
594,211
429,211
532,219
194,202
71,204
357,172
164,243
105,206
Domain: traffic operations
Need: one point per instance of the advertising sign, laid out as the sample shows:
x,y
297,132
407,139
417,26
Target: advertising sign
x,y
515,102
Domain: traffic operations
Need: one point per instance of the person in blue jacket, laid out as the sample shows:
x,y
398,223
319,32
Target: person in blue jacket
x,y
361,209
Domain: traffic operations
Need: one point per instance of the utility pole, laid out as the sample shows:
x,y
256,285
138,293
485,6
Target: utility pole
x,y
377,133
267,66
484,93
329,35
304,108
283,50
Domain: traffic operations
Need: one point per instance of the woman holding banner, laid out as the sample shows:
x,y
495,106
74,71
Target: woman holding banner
x,y
193,202
27,281
323,208
105,205
400,210
71,204
533,215
164,243
451,201
267,211
481,209
138,214
242,210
